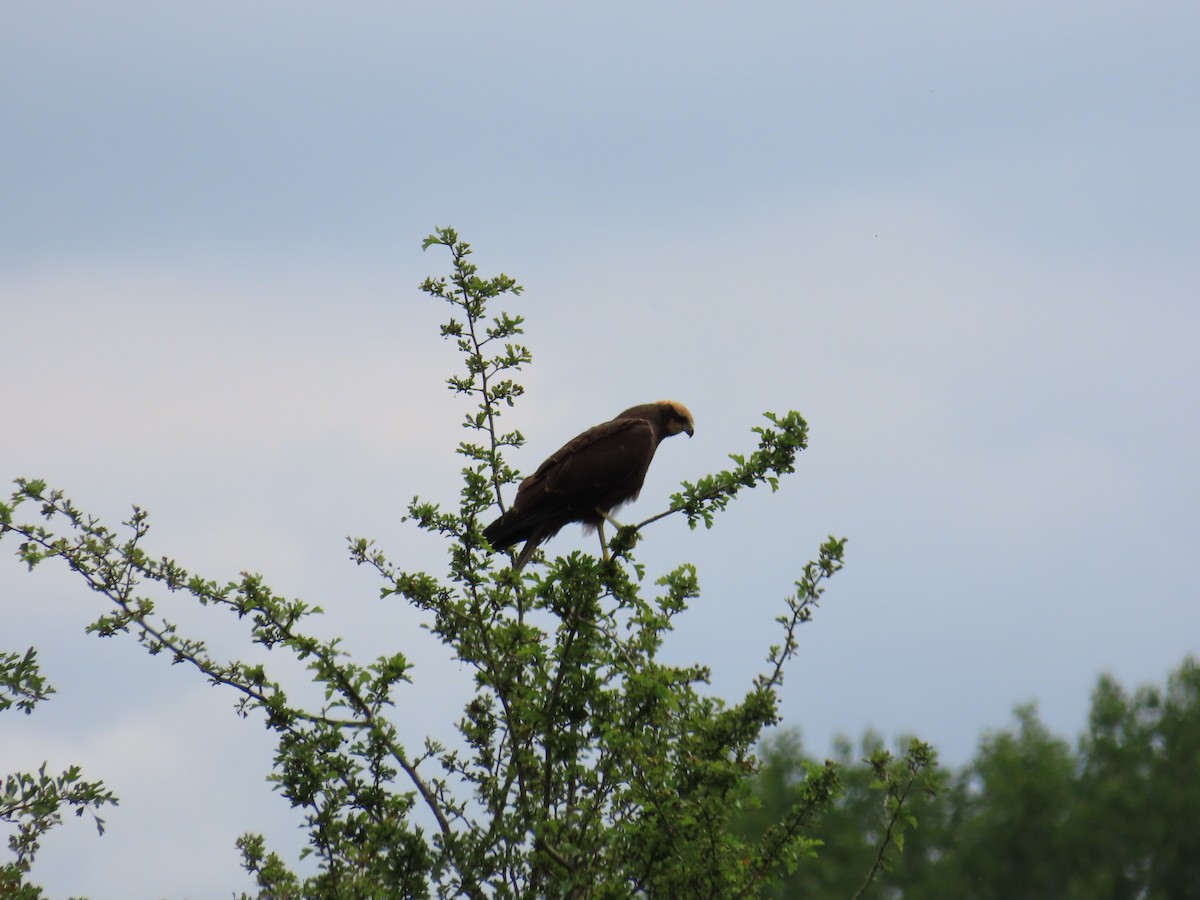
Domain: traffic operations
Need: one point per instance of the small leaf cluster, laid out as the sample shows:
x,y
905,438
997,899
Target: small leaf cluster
x,y
21,681
34,802
775,456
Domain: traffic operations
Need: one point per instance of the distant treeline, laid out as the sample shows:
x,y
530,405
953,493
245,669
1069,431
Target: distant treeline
x,y
1114,816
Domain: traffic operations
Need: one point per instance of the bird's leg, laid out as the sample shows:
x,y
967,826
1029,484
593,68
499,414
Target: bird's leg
x,y
609,518
604,516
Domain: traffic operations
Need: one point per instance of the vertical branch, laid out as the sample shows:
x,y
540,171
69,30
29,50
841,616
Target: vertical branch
x,y
471,294
898,780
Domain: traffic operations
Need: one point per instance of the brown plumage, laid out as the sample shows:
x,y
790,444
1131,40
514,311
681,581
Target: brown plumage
x,y
589,477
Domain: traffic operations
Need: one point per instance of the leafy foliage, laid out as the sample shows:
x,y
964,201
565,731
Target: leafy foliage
x,y
1115,816
21,681
33,803
586,767
872,825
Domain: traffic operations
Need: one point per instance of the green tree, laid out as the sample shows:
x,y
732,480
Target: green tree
x,y
868,833
1139,791
1114,817
1012,807
1174,871
586,766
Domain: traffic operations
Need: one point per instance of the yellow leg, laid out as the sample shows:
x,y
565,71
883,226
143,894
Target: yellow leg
x,y
605,517
608,518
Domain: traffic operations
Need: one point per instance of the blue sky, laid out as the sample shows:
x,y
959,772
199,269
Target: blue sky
x,y
960,240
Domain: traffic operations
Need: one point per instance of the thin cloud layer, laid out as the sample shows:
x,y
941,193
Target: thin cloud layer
x,y
961,243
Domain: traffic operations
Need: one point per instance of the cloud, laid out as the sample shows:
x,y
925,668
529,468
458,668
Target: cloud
x,y
960,244
147,361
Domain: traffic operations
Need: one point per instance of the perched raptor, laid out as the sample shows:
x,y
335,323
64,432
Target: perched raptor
x,y
589,477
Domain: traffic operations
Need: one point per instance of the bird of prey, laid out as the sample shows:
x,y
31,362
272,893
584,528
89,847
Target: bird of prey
x,y
588,478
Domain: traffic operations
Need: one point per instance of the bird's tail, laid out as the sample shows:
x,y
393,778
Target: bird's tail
x,y
505,531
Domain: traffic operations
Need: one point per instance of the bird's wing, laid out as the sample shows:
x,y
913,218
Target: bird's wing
x,y
603,467
610,453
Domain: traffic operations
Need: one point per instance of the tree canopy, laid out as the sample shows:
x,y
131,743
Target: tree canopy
x,y
584,766
1114,816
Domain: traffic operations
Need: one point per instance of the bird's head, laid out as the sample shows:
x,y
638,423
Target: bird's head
x,y
676,417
